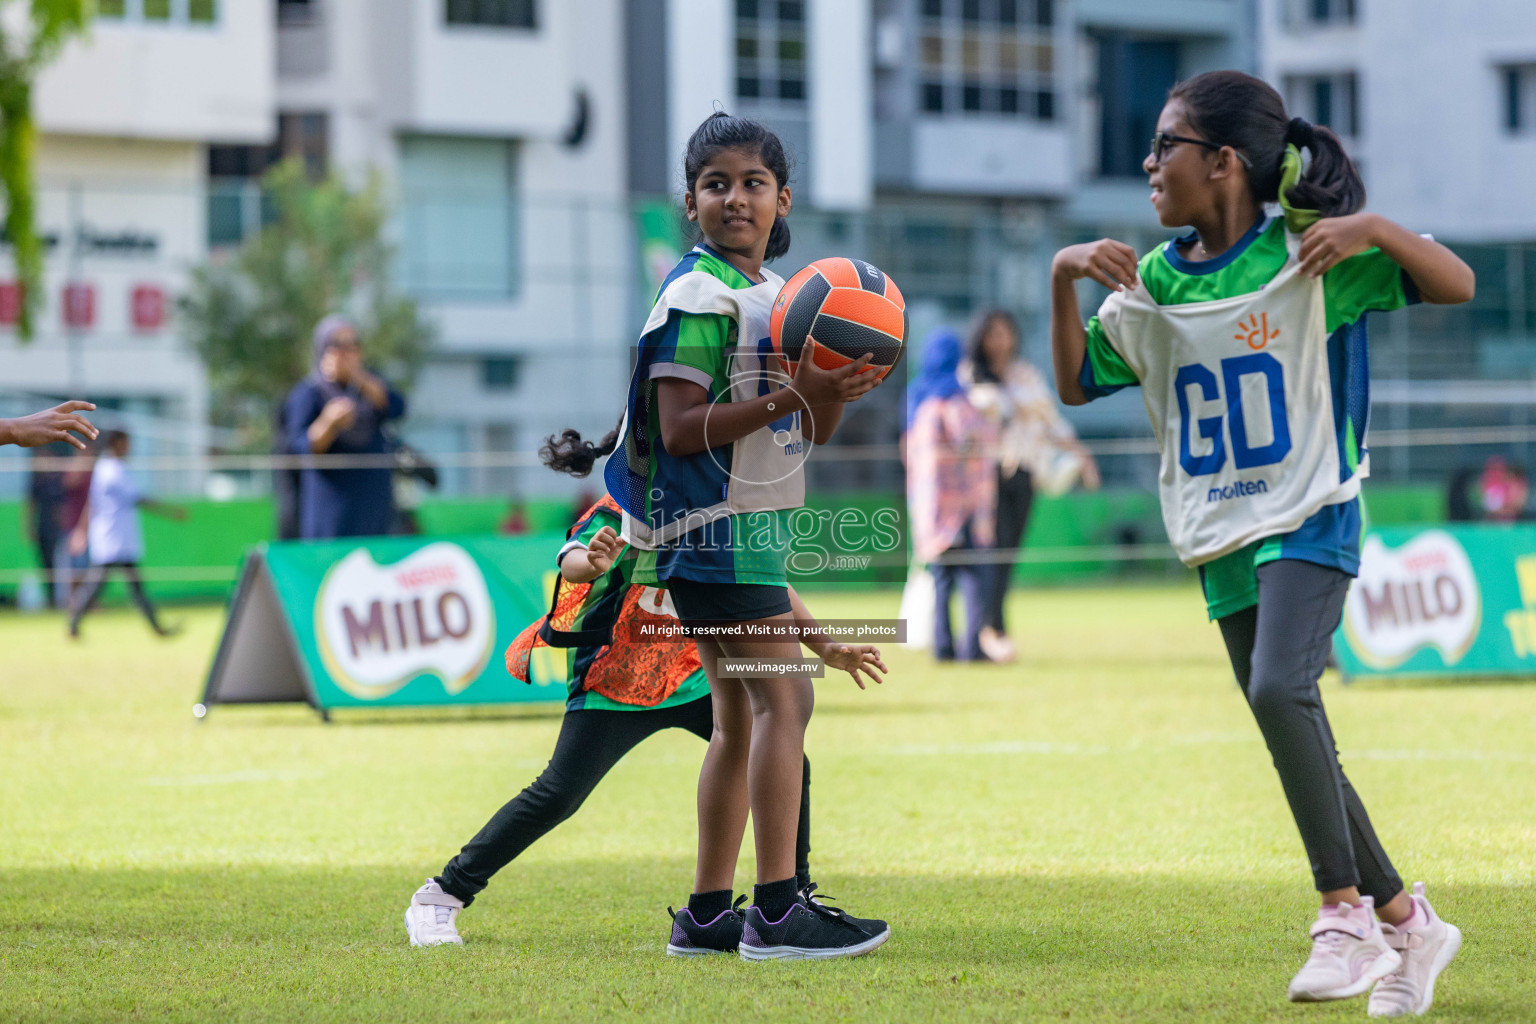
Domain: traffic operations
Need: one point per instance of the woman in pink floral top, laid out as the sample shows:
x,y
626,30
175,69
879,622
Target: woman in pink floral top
x,y
951,491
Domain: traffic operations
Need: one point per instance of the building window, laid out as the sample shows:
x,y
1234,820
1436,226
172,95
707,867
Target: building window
x,y
496,13
770,51
236,206
160,12
1133,78
1518,89
988,57
459,217
499,373
1329,99
1319,13
297,12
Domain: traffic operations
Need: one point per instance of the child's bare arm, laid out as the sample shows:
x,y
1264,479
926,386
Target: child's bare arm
x,y
583,565
1110,263
1440,275
851,658
691,423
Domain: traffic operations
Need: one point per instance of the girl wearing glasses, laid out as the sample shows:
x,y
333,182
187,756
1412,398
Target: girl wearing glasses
x,y
1248,339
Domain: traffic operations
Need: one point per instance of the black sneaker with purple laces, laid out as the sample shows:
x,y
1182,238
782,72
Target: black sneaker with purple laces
x,y
808,931
720,935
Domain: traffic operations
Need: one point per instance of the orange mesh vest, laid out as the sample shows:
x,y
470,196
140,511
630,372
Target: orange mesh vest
x,y
599,619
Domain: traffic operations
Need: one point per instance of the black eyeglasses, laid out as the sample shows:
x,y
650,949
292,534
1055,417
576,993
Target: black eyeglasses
x,y
1162,142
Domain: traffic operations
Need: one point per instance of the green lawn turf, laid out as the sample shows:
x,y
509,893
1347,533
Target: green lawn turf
x,y
1094,834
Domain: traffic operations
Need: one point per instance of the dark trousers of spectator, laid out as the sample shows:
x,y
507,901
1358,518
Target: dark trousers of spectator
x,y
90,590
971,580
1015,496
47,533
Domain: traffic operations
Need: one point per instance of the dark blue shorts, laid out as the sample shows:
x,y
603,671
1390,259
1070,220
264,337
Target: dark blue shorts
x,y
727,602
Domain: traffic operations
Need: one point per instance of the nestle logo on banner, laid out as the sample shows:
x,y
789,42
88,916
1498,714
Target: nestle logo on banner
x,y
1421,595
379,627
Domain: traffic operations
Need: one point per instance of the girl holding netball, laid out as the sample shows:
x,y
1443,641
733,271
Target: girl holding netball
x,y
1248,339
621,693
708,472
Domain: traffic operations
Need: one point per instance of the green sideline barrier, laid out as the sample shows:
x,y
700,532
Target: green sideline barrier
x,y
218,534
386,622
1455,600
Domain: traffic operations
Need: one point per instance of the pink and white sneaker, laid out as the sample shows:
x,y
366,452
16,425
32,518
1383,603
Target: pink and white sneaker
x,y
1426,949
1349,954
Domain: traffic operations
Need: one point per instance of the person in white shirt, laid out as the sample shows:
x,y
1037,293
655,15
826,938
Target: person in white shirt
x,y
110,529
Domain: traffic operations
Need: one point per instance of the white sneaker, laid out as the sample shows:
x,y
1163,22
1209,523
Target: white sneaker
x,y
430,919
1349,954
1426,950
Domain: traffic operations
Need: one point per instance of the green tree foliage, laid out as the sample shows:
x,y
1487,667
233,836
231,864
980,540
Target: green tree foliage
x,y
27,44
250,315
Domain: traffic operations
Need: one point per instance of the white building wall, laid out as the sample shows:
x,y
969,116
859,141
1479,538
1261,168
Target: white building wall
x,y
841,101
1432,148
166,81
701,57
393,68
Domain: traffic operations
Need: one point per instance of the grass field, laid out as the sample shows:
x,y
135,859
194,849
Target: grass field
x,y
1093,834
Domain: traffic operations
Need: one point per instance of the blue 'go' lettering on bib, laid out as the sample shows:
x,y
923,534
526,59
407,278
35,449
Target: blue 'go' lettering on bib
x,y
1233,370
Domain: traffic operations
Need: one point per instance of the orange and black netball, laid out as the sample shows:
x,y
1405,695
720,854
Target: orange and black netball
x,y
850,307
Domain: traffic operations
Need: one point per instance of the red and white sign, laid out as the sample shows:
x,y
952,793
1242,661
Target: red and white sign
x,y
147,307
10,303
79,304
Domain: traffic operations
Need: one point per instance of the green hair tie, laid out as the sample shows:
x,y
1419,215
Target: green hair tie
x,y
1296,220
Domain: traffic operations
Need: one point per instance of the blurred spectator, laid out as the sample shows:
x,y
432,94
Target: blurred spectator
x,y
110,529
1505,491
1458,496
45,508
68,563
1038,450
286,482
516,521
412,476
340,409
951,491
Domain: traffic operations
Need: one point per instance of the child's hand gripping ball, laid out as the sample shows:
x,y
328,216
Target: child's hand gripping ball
x,y
850,308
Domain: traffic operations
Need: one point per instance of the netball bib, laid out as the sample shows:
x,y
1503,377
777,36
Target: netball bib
x,y
1239,394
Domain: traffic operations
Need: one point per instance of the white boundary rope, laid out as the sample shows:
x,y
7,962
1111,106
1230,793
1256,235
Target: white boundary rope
x,y
1421,437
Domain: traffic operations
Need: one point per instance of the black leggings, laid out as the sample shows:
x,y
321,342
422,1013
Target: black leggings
x,y
1278,651
590,744
90,589
1015,495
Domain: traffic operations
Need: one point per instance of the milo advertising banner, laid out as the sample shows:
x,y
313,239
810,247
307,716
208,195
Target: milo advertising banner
x,y
386,622
1452,601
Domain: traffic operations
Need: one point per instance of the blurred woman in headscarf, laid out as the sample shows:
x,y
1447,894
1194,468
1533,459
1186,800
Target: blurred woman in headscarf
x,y
340,409
951,492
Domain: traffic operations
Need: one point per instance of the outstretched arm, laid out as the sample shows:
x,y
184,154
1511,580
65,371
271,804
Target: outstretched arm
x,y
50,425
1440,275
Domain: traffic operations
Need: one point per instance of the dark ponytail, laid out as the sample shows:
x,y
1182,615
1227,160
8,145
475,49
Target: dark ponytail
x,y
721,131
1233,109
568,453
